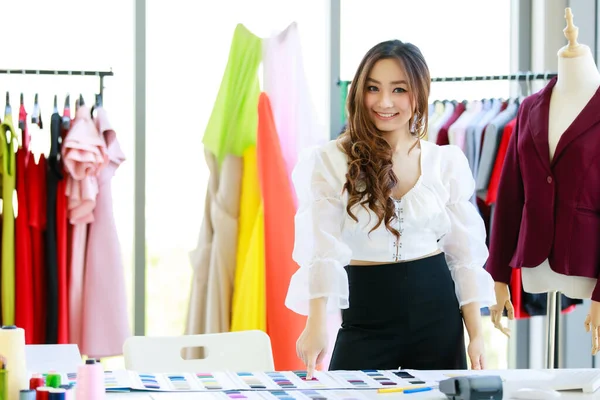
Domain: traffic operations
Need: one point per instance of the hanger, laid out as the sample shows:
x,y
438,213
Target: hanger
x,y
35,109
21,105
66,117
519,94
97,104
81,102
8,108
36,117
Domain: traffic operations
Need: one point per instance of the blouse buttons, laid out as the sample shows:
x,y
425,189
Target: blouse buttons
x,y
549,179
398,211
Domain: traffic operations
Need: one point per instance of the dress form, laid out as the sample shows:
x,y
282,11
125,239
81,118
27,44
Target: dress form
x,y
578,80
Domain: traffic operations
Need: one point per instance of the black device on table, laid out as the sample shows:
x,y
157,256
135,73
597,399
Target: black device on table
x,y
476,387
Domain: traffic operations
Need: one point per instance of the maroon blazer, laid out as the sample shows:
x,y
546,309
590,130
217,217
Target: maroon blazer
x,y
549,209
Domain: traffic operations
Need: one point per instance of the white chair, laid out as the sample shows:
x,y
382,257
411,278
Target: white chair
x,y
234,351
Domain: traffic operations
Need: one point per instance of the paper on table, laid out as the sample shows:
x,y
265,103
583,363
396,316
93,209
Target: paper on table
x,y
315,395
505,374
182,382
62,358
288,380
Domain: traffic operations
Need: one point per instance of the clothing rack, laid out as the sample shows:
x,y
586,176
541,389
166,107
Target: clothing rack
x,y
519,76
99,74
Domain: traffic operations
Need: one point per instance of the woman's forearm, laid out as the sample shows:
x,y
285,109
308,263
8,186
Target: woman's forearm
x,y
317,309
472,317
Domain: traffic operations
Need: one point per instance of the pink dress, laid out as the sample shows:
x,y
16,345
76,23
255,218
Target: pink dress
x,y
84,155
105,318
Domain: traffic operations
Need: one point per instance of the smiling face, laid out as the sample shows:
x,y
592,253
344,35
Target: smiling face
x,y
387,97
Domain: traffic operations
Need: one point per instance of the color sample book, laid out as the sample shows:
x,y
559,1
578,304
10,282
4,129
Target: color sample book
x,y
311,394
307,394
287,380
185,382
375,379
275,383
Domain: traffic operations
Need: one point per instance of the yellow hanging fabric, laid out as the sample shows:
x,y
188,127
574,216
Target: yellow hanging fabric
x,y
249,299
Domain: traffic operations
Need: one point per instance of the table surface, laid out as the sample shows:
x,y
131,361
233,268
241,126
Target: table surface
x,y
514,379
371,393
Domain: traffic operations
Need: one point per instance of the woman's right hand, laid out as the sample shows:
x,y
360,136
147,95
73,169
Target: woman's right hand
x,y
311,346
502,301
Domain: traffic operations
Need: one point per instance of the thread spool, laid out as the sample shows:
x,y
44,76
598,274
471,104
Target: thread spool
x,y
4,388
28,394
12,347
53,380
36,381
57,394
68,391
42,393
90,381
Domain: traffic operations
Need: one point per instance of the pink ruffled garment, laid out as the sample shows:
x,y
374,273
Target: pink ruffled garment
x,y
84,155
105,324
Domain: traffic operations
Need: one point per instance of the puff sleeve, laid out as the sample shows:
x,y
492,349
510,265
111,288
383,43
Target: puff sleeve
x,y
464,245
318,248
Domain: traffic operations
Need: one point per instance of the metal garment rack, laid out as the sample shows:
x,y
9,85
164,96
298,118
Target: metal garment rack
x,y
519,76
553,312
99,74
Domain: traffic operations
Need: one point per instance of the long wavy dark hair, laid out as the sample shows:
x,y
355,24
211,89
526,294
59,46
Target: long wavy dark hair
x,y
370,178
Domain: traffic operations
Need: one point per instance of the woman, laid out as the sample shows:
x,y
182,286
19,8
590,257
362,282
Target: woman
x,y
385,231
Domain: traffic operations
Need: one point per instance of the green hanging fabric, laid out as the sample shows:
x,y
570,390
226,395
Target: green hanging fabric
x,y
344,88
233,123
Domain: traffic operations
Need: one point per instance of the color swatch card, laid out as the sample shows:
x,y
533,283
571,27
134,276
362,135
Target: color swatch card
x,y
117,381
114,381
216,381
201,381
375,379
287,380
239,395
310,394
233,395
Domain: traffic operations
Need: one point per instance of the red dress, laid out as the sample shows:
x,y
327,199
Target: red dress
x,y
24,293
62,249
36,202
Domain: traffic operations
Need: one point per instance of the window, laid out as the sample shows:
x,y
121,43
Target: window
x,y
463,38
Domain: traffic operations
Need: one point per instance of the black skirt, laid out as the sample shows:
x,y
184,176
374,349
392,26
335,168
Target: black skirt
x,y
401,315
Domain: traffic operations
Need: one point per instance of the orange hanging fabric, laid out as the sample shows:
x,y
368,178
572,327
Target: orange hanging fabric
x,y
283,325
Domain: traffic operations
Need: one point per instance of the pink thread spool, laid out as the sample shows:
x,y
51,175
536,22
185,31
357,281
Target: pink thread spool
x,y
90,381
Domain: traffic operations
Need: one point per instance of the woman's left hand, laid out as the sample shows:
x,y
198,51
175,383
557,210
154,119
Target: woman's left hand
x,y
476,352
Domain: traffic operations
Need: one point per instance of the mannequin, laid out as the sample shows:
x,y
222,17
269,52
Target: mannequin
x,y
577,83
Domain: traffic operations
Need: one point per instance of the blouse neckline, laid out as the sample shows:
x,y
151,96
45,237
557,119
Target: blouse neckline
x,y
418,182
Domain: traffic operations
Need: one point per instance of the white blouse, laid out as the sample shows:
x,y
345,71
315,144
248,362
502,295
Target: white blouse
x,y
435,214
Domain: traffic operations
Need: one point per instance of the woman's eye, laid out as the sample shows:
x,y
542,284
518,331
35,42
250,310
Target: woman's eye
x,y
399,90
372,88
